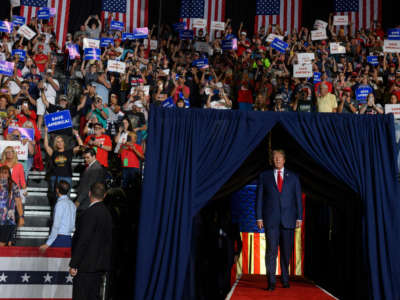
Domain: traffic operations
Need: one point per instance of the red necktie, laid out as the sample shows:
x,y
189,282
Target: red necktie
x,y
280,181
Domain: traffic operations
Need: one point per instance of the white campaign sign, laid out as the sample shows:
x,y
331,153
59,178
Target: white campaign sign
x,y
305,58
303,71
144,88
215,25
319,34
393,109
90,43
26,32
319,24
336,48
203,47
199,23
22,151
116,66
392,46
340,20
272,36
153,44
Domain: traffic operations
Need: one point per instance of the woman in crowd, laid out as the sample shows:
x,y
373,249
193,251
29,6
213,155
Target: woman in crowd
x,y
60,158
9,158
124,130
371,108
10,201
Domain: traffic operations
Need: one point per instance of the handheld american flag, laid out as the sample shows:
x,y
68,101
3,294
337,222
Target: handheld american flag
x,y
285,13
29,9
133,13
210,10
362,13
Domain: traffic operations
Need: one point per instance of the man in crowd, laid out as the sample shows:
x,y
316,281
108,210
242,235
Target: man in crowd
x,y
91,246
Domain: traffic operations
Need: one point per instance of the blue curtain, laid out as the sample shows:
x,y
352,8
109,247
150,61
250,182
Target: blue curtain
x,y
192,153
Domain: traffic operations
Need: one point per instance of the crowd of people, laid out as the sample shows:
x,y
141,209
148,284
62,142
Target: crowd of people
x,y
223,69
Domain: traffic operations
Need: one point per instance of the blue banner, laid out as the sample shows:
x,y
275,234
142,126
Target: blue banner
x,y
58,120
179,26
116,25
230,44
43,13
230,36
92,53
6,68
279,45
200,63
18,20
168,103
26,133
373,60
128,36
6,26
362,93
186,34
394,34
104,42
21,53
317,77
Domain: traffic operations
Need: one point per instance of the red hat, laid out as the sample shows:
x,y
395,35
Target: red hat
x,y
392,65
40,47
347,89
323,43
118,40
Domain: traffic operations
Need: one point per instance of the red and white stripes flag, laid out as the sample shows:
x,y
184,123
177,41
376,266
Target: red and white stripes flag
x,y
59,21
214,10
368,12
287,15
135,16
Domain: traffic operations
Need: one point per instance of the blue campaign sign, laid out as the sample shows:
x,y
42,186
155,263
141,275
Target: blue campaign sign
x,y
362,93
128,36
6,26
230,36
18,20
43,13
58,120
104,42
230,44
279,45
21,53
116,25
373,60
186,34
141,33
394,34
73,51
179,26
26,133
200,63
168,103
6,68
92,53
317,77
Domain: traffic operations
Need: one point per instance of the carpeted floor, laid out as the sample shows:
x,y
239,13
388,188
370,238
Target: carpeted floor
x,y
252,287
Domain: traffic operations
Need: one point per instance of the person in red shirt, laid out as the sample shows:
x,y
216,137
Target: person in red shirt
x,y
41,59
131,154
179,87
101,143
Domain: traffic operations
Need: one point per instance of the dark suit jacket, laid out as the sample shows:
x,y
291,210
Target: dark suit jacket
x,y
92,240
95,173
276,208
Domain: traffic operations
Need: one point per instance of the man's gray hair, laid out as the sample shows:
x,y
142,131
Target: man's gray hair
x,y
323,86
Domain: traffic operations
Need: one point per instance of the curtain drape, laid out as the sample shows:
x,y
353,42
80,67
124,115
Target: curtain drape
x,y
192,153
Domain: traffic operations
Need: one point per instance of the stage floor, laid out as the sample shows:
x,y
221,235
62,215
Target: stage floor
x,y
251,287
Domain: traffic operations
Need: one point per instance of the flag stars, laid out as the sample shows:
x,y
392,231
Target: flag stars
x,y
47,278
68,278
3,277
25,277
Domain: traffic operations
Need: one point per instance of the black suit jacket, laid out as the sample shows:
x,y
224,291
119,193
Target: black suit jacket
x,y
91,243
95,173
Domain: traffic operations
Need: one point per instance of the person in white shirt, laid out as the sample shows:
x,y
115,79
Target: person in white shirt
x,y
49,86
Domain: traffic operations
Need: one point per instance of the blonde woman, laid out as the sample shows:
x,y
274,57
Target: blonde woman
x,y
9,158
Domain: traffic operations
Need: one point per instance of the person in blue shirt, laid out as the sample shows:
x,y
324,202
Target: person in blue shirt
x,y
64,219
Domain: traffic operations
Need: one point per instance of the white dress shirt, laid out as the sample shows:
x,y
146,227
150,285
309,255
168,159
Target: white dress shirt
x,y
276,174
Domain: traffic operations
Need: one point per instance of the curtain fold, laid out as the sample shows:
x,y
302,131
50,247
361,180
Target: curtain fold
x,y
192,153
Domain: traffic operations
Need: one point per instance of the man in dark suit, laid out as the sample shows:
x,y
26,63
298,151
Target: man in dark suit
x,y
91,246
279,210
94,172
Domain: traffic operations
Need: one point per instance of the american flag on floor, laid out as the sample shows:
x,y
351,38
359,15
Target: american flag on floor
x,y
362,13
211,10
252,257
133,13
286,13
26,274
29,9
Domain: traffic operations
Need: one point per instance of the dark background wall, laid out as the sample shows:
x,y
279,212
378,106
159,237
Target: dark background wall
x,y
237,10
